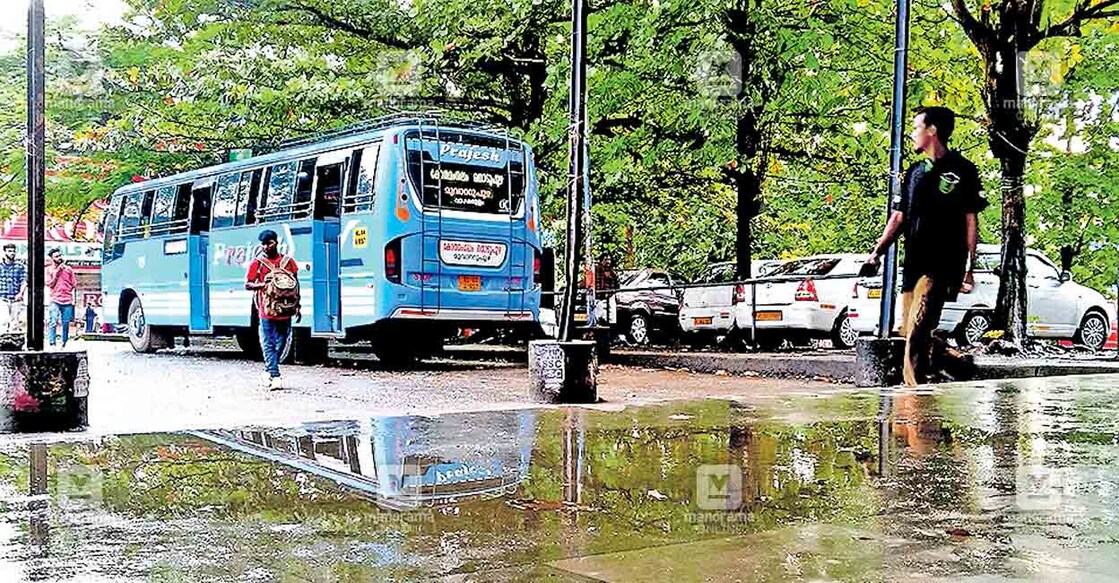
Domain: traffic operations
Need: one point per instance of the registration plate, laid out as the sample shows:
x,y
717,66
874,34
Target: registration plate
x,y
580,317
768,316
702,321
874,294
470,283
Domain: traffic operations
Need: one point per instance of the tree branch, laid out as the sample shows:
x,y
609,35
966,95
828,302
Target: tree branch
x,y
1071,25
978,33
332,22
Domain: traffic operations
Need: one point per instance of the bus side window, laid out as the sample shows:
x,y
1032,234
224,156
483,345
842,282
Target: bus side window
x,y
225,200
246,203
130,216
303,185
181,217
163,210
276,205
362,193
146,210
200,206
110,224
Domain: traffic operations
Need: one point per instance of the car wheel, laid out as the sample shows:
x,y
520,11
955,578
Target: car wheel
x,y
1093,331
843,335
973,329
638,329
140,333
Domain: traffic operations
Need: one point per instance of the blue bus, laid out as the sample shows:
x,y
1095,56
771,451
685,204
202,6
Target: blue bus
x,y
405,229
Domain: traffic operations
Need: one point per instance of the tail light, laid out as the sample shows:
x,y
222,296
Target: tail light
x,y
806,292
537,265
392,261
739,293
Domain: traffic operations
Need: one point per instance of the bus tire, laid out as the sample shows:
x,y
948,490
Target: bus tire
x,y
143,338
307,349
398,355
248,340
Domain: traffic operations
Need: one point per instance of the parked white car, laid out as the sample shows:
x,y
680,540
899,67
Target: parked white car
x,y
707,312
804,298
1056,307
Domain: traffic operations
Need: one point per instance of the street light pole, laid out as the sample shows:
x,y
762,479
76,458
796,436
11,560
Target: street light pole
x,y
36,171
889,266
576,174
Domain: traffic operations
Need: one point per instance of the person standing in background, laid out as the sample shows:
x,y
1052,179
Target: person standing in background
x,y
61,283
13,286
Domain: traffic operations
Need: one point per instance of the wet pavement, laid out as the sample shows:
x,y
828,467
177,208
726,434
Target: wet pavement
x,y
1000,481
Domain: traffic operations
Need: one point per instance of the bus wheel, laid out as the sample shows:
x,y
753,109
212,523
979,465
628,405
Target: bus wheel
x,y
248,340
398,355
307,349
143,338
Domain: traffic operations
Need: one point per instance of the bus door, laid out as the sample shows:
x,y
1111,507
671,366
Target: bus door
x,y
329,183
359,253
431,271
198,246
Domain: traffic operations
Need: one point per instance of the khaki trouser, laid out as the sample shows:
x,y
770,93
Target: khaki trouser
x,y
921,310
11,316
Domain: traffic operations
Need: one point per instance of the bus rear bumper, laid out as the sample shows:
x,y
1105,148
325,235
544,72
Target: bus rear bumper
x,y
460,315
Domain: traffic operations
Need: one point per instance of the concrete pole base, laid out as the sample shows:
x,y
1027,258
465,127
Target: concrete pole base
x,y
43,391
878,361
11,342
563,372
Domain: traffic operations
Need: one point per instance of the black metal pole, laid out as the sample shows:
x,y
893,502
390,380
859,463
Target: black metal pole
x,y
36,172
889,267
576,135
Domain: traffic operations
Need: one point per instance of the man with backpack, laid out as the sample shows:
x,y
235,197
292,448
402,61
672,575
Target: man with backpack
x,y
274,278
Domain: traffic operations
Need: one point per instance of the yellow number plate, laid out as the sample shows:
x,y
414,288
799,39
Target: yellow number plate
x,y
702,321
768,316
470,282
874,294
580,317
361,237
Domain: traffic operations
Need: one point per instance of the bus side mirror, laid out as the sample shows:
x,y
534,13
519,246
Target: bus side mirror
x,y
1066,277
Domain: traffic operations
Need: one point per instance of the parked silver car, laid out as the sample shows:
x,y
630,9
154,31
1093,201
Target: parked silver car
x,y
1056,307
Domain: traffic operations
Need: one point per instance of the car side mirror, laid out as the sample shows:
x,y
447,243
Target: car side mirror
x,y
997,271
1066,277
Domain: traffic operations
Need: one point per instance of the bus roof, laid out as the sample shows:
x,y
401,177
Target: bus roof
x,y
302,151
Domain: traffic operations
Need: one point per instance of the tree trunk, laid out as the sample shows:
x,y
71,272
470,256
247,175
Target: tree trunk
x,y
1009,135
747,138
1012,300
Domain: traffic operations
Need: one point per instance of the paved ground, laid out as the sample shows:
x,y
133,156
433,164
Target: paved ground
x,y
209,388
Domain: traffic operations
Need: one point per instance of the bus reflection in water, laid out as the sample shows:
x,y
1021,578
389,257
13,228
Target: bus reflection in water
x,y
403,462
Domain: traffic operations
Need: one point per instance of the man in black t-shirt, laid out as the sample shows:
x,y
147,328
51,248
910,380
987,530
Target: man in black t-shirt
x,y
937,210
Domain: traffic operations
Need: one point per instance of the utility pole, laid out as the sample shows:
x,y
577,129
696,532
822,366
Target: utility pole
x,y
890,265
576,174
36,171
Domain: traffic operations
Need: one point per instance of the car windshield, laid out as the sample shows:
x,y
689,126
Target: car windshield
x,y
629,278
811,266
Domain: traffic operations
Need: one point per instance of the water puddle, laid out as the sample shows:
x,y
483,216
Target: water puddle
x,y
1016,482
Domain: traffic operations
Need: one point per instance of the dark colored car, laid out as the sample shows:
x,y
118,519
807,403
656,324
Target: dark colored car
x,y
646,305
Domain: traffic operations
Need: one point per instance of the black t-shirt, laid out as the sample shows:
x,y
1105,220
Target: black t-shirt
x,y
936,198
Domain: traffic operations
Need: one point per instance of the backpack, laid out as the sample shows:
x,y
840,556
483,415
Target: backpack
x,y
280,296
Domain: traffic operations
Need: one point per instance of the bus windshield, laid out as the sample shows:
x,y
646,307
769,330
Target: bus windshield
x,y
463,172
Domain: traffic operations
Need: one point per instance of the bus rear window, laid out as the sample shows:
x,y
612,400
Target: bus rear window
x,y
463,172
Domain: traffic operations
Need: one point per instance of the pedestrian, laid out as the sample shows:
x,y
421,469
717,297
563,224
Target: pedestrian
x,y
275,279
13,287
61,283
937,211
